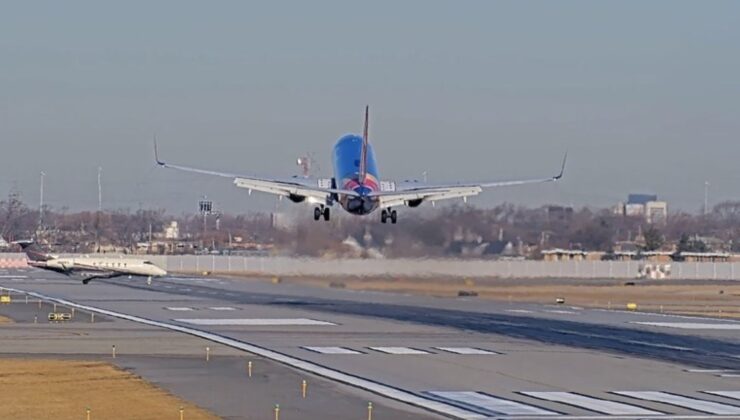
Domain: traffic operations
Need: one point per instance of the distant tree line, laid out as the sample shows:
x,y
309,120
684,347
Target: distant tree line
x,y
458,230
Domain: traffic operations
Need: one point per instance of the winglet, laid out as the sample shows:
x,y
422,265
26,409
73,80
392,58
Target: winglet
x,y
156,153
562,168
365,140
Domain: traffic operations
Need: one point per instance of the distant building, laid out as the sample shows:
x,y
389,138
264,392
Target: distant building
x,y
634,209
656,212
643,205
559,213
641,198
172,232
558,254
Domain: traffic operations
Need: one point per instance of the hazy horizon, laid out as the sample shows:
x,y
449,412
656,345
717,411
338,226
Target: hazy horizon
x,y
644,96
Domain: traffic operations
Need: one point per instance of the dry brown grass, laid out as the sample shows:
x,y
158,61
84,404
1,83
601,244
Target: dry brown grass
x,y
58,389
5,320
711,299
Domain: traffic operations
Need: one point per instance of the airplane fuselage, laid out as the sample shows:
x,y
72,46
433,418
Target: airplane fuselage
x,y
126,266
347,156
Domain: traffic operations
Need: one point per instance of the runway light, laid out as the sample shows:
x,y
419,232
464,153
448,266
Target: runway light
x,y
277,411
249,368
369,411
304,388
208,354
182,413
113,351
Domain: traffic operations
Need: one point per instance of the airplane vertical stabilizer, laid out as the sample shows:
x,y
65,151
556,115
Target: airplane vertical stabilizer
x,y
363,153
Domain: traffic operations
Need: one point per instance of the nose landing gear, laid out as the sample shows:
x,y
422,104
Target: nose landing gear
x,y
385,215
321,211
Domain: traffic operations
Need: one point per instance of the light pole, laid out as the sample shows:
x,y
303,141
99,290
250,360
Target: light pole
x,y
41,200
706,197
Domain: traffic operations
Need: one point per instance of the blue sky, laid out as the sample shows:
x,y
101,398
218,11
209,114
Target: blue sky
x,y
645,95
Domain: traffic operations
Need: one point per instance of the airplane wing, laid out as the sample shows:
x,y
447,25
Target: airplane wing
x,y
418,194
101,275
292,187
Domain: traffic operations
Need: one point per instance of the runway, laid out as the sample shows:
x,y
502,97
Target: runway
x,y
458,358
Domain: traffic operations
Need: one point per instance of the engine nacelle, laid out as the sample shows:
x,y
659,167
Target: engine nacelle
x,y
297,198
415,203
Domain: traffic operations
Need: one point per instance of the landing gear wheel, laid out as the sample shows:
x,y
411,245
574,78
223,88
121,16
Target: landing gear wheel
x,y
326,214
383,216
316,213
394,217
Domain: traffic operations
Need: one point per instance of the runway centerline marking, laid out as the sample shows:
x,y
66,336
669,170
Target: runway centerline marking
x,y
560,311
222,308
399,350
280,322
593,404
179,308
329,373
490,405
690,325
466,350
331,350
695,404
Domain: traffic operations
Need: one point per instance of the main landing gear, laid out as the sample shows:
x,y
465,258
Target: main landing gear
x,y
388,214
320,212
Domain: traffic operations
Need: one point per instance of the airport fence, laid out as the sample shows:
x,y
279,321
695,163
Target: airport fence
x,y
287,266
318,267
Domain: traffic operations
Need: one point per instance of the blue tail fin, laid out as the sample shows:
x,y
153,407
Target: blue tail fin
x,y
363,153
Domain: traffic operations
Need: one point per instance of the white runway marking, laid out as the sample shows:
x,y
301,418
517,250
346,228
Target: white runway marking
x,y
399,350
179,308
331,350
519,311
255,321
332,374
735,395
13,277
593,404
558,311
691,325
658,345
465,350
490,405
703,406
222,308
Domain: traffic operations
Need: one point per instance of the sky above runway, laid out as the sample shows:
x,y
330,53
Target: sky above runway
x,y
644,95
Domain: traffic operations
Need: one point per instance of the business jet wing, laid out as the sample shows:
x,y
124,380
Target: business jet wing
x,y
291,187
102,275
418,193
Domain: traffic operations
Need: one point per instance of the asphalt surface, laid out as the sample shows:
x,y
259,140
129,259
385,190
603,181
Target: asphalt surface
x,y
587,332
490,359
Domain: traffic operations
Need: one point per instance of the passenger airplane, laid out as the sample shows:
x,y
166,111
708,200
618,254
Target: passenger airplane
x,y
90,267
356,185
